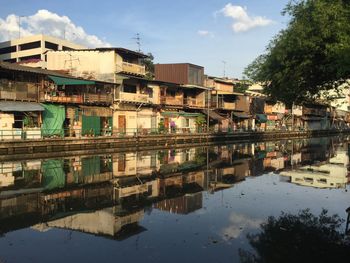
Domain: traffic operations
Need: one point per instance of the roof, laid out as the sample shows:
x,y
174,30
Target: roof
x,y
20,106
40,71
102,49
198,66
190,86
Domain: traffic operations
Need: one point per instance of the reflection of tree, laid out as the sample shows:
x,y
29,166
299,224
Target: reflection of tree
x,y
299,238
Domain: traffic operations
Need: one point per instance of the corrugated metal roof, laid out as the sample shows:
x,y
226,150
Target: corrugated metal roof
x,y
101,49
7,106
39,71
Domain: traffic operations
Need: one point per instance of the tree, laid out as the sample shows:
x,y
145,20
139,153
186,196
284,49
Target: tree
x,y
310,56
149,65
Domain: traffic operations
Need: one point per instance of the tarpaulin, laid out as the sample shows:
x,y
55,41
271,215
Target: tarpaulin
x,y
53,118
53,174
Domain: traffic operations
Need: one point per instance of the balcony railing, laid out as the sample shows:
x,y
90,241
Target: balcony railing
x,y
223,105
133,97
193,102
172,101
83,98
132,68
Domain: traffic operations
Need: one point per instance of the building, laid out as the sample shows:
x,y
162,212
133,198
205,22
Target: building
x,y
31,50
37,102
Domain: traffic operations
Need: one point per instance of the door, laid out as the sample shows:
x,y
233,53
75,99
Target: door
x,y
166,123
122,123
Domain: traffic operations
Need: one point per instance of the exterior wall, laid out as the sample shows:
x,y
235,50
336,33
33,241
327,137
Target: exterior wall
x,y
36,51
180,73
243,103
86,64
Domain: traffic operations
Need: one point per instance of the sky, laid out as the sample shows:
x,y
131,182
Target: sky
x,y
216,34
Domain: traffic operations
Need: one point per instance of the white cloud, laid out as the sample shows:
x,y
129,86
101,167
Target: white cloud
x,y
241,20
239,222
48,23
205,33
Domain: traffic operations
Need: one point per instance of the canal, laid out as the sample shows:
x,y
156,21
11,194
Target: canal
x,y
280,201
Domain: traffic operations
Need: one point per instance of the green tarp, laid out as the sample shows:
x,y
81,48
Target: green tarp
x,y
91,125
91,166
53,118
69,81
53,174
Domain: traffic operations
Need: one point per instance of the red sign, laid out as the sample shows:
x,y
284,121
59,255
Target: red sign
x,y
272,117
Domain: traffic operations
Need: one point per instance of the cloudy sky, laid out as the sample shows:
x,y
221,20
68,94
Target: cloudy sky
x,y
197,31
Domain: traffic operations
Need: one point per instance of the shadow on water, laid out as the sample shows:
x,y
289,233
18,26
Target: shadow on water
x,y
302,237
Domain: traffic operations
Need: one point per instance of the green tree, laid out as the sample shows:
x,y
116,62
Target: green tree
x,y
310,56
149,65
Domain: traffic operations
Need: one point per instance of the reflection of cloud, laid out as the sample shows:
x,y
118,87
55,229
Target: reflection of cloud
x,y
239,222
205,33
46,22
241,20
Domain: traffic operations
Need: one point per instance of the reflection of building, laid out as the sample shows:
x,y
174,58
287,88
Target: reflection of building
x,y
181,205
324,175
101,222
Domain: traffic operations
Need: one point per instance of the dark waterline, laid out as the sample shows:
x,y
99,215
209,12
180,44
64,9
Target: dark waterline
x,y
186,205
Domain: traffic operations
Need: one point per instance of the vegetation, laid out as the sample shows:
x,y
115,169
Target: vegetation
x,y
310,56
149,65
299,238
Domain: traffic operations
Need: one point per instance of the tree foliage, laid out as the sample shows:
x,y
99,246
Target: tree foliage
x,y
149,65
303,237
310,56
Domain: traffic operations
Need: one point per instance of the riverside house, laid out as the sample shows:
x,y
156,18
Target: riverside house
x,y
36,103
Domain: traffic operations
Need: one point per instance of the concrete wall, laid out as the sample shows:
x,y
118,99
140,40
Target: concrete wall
x,y
87,64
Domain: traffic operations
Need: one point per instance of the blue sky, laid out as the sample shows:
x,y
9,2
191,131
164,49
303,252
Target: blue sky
x,y
199,32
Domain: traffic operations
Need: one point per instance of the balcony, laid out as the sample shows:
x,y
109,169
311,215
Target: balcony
x,y
79,99
194,103
174,101
130,68
20,91
224,105
133,97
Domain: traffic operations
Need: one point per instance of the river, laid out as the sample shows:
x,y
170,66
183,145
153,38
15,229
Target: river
x,y
251,202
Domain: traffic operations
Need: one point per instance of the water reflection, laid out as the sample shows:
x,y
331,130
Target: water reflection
x,y
110,195
302,237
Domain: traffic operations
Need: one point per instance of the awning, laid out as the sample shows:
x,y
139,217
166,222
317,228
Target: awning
x,y
20,106
262,118
70,81
213,115
220,92
241,115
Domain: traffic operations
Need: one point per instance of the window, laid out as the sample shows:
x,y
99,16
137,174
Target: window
x,y
30,57
129,88
30,45
171,93
12,60
6,50
67,48
50,45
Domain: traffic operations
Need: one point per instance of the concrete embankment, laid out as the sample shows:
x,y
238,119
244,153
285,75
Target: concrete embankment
x,y
58,147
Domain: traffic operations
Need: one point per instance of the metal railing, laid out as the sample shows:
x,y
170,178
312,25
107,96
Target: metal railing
x,y
38,133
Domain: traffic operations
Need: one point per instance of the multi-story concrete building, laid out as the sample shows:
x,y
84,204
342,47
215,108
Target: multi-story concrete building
x,y
31,50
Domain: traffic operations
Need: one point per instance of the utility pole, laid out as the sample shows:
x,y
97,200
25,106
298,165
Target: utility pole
x,y
19,26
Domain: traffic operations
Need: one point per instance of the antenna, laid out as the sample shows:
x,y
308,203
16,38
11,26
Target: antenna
x,y
224,62
138,41
70,60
